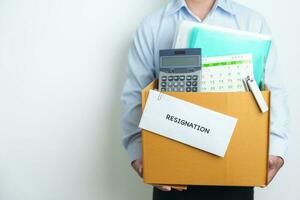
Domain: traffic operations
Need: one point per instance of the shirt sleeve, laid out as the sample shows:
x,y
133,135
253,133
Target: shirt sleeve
x,y
279,116
139,74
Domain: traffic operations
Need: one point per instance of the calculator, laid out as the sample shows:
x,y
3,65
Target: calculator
x,y
180,70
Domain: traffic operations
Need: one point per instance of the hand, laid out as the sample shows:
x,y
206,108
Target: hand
x,y
275,163
138,167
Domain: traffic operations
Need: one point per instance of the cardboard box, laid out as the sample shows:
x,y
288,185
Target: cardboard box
x,y
167,162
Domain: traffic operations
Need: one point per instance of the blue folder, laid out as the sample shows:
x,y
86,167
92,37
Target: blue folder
x,y
220,42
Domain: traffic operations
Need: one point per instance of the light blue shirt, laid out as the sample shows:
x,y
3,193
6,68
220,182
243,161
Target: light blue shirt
x,y
157,31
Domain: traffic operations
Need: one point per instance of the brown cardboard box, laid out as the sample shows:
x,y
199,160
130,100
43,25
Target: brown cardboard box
x,y
166,161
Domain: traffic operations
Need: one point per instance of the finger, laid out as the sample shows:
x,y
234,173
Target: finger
x,y
140,171
177,188
167,188
271,163
271,175
138,168
164,188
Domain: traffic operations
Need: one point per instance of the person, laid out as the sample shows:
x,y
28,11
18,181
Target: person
x,y
156,32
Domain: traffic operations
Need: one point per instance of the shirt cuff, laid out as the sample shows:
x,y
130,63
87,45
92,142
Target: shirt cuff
x,y
278,146
134,149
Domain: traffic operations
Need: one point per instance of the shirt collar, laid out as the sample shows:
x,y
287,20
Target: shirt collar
x,y
223,4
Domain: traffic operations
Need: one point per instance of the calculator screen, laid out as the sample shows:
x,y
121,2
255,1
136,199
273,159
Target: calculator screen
x,y
179,61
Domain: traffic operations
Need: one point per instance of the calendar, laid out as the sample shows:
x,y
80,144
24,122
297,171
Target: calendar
x,y
226,73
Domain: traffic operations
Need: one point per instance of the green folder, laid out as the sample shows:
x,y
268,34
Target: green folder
x,y
217,41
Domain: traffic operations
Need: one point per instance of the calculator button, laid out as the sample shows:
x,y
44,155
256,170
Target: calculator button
x,y
195,83
189,77
164,78
182,78
175,84
195,77
181,89
163,89
169,89
170,78
176,78
188,83
181,83
194,89
163,84
170,84
174,90
188,89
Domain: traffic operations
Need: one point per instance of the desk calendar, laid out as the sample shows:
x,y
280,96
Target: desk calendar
x,y
225,73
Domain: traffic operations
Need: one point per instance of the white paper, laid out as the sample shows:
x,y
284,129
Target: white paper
x,y
187,123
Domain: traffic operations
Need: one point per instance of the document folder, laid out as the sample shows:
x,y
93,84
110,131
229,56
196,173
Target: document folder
x,y
219,41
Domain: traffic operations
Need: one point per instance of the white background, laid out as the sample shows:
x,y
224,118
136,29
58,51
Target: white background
x,y
62,65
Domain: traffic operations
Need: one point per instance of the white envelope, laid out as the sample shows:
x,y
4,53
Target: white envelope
x,y
187,123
